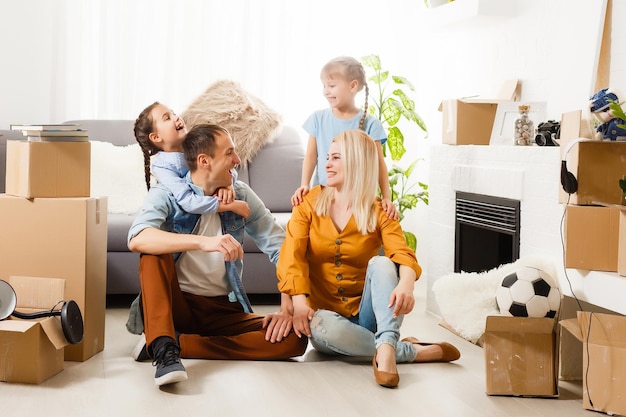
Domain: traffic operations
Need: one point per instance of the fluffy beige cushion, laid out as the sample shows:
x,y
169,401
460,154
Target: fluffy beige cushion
x,y
250,121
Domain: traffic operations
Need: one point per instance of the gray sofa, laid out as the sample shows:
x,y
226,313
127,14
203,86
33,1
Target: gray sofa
x,y
273,174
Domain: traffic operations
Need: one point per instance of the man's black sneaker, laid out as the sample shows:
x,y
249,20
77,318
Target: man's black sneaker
x,y
169,368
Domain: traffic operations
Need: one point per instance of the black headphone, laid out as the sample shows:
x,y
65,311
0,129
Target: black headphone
x,y
71,317
568,180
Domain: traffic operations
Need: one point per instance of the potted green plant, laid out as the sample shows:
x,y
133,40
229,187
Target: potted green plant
x,y
390,107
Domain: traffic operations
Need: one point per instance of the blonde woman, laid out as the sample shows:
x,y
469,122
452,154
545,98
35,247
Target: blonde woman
x,y
347,299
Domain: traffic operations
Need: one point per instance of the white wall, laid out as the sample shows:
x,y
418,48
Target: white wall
x,y
551,46
119,62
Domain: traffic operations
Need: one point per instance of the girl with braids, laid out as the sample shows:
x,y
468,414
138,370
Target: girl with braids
x,y
349,300
342,78
160,134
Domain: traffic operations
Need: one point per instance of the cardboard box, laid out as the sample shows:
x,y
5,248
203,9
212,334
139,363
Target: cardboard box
x,y
48,169
621,246
32,350
64,238
469,121
591,237
598,166
604,359
521,356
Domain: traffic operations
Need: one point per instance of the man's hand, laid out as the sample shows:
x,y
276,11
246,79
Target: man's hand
x,y
225,244
277,325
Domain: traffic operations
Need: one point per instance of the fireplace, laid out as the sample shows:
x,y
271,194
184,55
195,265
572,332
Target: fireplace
x,y
487,232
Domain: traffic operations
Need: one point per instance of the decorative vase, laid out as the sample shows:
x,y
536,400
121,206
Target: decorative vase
x,y
524,127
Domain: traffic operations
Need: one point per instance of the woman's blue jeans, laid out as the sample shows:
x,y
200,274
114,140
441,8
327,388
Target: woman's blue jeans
x,y
360,336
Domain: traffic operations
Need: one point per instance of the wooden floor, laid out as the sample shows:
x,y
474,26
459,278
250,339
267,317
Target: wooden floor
x,y
112,384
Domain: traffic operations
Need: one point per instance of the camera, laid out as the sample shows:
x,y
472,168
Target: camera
x,y
547,132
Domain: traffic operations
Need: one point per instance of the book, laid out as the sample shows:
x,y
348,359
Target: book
x,y
55,133
37,138
42,127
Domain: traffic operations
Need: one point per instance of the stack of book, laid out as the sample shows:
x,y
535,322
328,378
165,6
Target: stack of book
x,y
53,132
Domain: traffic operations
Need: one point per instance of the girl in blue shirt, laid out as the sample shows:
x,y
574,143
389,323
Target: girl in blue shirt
x,y
342,78
167,133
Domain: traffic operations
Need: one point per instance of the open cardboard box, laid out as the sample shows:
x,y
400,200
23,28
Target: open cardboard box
x,y
64,238
32,350
521,356
469,121
597,165
603,338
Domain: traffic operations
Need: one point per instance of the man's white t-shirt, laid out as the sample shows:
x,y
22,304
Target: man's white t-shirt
x,y
203,273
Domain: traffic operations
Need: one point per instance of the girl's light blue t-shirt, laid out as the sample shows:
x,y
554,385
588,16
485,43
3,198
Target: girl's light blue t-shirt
x,y
324,126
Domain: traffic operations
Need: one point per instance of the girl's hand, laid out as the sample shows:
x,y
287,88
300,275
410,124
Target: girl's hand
x,y
390,209
238,206
226,195
299,195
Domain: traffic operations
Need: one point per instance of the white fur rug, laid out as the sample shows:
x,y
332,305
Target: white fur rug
x,y
466,299
248,119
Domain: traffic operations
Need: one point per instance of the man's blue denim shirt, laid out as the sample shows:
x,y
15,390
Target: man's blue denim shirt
x,y
160,211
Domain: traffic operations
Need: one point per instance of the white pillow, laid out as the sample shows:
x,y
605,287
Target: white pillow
x,y
118,173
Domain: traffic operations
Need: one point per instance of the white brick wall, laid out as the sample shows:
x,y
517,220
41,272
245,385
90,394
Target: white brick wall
x,y
530,174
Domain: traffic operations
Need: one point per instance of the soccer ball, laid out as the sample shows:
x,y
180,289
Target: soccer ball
x,y
528,292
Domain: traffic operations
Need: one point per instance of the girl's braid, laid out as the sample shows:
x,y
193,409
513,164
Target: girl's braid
x,y
365,107
143,127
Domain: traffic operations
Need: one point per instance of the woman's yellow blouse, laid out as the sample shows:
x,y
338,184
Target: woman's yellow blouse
x,y
329,265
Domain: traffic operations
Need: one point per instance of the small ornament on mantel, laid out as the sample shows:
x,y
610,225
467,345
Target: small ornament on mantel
x,y
524,127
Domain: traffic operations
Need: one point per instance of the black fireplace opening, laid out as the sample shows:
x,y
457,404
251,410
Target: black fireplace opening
x,y
486,232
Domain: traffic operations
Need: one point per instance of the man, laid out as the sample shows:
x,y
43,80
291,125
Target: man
x,y
193,302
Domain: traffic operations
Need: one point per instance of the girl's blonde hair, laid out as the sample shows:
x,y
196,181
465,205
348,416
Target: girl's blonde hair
x,y
360,168
349,69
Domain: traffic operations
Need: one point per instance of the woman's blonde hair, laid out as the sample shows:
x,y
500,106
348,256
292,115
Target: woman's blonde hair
x,y
360,168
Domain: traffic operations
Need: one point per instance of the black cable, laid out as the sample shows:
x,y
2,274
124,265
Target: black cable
x,y
577,300
588,358
563,252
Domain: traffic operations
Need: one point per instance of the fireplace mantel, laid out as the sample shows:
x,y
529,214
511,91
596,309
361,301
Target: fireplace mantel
x,y
529,174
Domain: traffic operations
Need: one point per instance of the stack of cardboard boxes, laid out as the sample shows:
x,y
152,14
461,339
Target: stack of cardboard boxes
x,y
52,228
595,240
523,354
